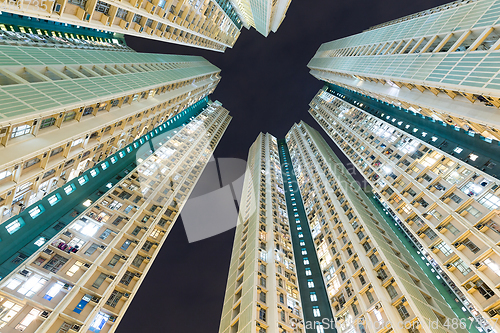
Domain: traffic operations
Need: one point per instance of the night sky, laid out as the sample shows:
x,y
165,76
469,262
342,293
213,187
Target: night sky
x,y
267,87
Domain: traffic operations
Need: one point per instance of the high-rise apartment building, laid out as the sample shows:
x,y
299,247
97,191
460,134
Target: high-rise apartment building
x,y
441,63
313,254
65,108
262,292
373,282
441,186
84,277
264,15
207,24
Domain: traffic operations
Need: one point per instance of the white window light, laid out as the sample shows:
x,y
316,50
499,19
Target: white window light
x,y
36,211
4,174
32,315
458,150
76,142
473,157
54,290
69,189
54,199
40,241
14,226
407,126
87,203
434,139
14,283
82,180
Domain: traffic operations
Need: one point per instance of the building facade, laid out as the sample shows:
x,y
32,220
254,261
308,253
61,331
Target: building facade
x,y
206,24
262,292
373,282
64,109
347,270
264,15
84,278
433,181
441,63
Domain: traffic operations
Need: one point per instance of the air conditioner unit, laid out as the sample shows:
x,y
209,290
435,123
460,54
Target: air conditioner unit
x,y
3,131
67,286
378,306
127,295
112,319
45,314
111,277
478,264
25,272
87,265
76,328
95,299
403,300
479,226
57,7
148,258
469,285
48,251
124,257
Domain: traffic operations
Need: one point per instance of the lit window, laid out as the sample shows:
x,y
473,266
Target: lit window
x,y
4,174
316,311
492,265
36,211
32,315
40,241
76,266
121,154
99,322
306,261
308,272
76,142
113,159
304,251
32,286
94,172
473,157
310,283
54,290
434,139
69,189
20,131
54,199
82,180
14,225
14,283
314,297
104,165
87,203
458,150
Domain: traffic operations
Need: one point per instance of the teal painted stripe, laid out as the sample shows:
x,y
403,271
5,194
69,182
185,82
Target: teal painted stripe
x,y
323,301
22,241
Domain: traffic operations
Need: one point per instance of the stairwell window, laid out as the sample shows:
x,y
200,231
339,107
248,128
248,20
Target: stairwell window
x,y
20,131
